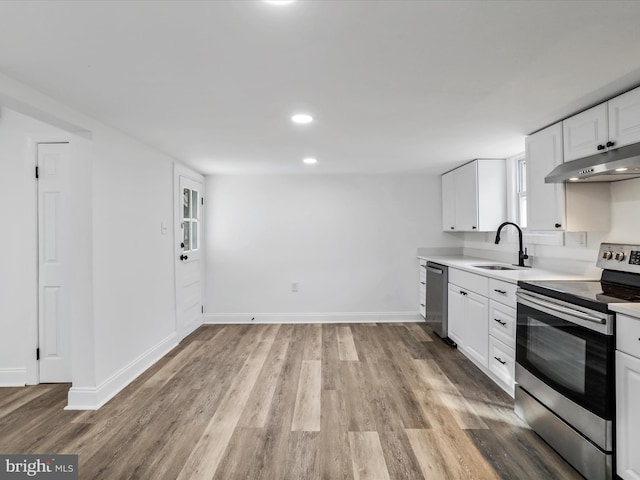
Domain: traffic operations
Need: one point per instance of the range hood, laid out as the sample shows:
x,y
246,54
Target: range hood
x,y
612,166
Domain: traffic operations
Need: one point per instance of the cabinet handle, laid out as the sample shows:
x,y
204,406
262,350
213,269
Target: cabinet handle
x,y
500,360
423,283
422,305
474,227
462,292
452,228
500,322
558,225
601,147
610,144
503,292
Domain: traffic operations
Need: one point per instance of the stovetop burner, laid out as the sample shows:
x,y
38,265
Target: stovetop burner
x,y
620,281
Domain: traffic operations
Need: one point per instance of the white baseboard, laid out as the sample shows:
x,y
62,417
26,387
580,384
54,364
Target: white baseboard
x,y
324,317
92,398
13,377
189,329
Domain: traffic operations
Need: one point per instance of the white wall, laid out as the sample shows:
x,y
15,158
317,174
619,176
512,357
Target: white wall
x,y
625,209
348,241
625,205
18,281
123,310
134,307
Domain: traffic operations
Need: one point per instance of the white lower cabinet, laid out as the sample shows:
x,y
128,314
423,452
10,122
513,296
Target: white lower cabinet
x,y
502,323
455,309
628,397
422,289
502,363
628,416
482,321
477,315
468,323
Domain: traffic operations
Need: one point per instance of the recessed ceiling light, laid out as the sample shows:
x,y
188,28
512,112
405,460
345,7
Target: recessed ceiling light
x,y
574,179
301,118
622,169
279,2
310,161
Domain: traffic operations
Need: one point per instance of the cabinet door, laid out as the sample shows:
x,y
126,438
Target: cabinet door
x,y
502,363
584,132
449,201
545,201
502,323
476,323
628,416
624,119
422,288
466,181
456,314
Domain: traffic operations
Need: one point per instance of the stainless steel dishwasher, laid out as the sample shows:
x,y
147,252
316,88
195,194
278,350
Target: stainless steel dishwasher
x,y
437,299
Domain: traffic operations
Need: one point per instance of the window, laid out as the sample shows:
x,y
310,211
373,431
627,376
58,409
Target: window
x,y
190,213
521,192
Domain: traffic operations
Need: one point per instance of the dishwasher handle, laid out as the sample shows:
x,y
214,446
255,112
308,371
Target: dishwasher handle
x,y
437,271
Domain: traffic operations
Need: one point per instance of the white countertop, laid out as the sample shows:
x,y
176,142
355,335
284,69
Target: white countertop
x,y
512,276
631,309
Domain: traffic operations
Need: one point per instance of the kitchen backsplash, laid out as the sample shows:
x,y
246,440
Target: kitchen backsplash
x,y
580,249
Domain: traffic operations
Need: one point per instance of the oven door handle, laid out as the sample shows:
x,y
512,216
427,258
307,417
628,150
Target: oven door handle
x,y
558,308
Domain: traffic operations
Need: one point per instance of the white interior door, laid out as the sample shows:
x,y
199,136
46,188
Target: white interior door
x,y
54,246
188,255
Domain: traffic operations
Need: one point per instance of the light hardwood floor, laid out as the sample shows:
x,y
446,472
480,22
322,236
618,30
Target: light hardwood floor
x,y
360,401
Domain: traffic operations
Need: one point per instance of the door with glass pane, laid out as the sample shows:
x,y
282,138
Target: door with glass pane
x,y
188,256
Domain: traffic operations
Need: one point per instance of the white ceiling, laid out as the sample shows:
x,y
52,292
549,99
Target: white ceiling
x,y
395,86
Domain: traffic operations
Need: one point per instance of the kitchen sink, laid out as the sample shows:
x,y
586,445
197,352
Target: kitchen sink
x,y
495,267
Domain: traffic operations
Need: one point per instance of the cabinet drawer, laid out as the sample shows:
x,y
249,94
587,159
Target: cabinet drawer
x,y
423,270
502,323
628,335
502,362
470,281
503,292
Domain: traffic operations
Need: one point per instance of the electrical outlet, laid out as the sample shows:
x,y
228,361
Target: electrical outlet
x,y
294,287
582,239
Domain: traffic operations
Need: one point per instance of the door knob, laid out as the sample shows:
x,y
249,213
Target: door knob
x,y
183,257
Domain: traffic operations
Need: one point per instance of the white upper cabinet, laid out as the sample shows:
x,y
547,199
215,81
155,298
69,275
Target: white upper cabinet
x,y
474,196
545,201
467,197
624,119
607,126
586,133
449,201
556,206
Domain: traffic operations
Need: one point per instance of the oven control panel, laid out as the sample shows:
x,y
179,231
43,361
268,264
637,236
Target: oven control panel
x,y
618,256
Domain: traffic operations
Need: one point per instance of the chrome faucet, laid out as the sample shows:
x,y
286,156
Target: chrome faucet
x,y
522,254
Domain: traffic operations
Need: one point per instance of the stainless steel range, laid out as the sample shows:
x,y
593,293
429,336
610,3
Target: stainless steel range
x,y
565,350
